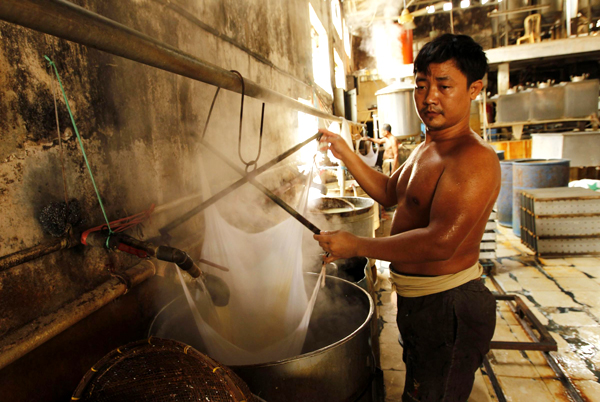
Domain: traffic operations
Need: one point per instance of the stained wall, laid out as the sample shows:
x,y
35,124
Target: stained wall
x,y
140,128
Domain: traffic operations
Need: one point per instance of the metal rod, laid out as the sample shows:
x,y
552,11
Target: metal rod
x,y
213,264
484,110
494,380
71,22
494,14
563,378
41,330
194,211
543,342
23,256
265,191
176,203
550,359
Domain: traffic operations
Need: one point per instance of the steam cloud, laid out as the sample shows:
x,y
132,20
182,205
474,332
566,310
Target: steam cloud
x,y
374,20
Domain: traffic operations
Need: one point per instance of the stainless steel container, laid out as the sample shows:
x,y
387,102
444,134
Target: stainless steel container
x,y
580,147
551,13
547,103
396,107
581,98
584,4
515,19
513,107
358,220
336,363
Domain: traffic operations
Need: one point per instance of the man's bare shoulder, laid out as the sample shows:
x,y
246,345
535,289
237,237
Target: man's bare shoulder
x,y
473,150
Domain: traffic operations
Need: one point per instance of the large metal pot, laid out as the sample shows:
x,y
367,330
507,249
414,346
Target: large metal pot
x,y
336,363
396,107
330,213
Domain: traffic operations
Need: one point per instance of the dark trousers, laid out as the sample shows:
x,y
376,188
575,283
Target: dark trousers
x,y
445,336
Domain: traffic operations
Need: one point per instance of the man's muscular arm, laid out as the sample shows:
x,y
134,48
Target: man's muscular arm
x,y
375,140
464,192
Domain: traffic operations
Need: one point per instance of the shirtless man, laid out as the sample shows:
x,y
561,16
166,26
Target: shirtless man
x,y
391,146
445,192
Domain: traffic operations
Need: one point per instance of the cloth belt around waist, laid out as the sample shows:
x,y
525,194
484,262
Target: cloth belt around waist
x,y
417,286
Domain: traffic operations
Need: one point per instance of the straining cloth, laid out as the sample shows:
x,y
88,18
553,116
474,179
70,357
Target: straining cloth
x,y
269,311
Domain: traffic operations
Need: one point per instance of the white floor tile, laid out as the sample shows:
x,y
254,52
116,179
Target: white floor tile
x,y
574,319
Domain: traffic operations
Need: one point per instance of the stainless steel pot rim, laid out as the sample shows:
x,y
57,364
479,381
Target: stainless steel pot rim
x,y
331,346
358,210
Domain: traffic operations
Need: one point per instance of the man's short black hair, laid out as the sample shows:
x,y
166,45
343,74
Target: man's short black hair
x,y
387,127
467,54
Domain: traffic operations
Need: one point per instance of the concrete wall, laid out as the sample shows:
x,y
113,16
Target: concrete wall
x,y
366,97
473,22
140,128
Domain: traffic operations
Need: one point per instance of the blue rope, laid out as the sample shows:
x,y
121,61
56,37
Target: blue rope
x,y
87,163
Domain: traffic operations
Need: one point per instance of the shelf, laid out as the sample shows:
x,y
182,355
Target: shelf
x,y
538,122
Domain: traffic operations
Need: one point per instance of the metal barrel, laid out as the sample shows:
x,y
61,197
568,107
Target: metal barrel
x,y
358,221
505,197
535,173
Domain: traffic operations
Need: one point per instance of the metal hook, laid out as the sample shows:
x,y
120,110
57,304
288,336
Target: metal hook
x,y
262,118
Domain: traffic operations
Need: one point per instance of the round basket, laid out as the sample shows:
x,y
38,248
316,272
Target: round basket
x,y
156,370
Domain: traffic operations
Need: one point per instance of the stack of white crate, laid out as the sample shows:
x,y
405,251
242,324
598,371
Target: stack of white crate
x,y
487,248
561,221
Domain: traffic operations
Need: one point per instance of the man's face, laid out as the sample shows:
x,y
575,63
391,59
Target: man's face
x,y
442,97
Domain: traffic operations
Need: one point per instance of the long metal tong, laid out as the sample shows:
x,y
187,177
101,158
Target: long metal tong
x,y
250,177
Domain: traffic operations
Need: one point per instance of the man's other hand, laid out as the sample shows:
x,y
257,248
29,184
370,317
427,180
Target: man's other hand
x,y
337,145
338,244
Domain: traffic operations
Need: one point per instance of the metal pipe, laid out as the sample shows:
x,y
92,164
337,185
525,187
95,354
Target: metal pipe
x,y
42,329
23,256
194,211
71,22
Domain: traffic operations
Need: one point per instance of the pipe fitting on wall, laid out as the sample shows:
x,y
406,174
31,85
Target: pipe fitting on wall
x,y
141,249
179,257
216,287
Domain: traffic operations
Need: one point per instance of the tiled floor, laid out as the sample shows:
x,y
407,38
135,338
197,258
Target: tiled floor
x,y
563,293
